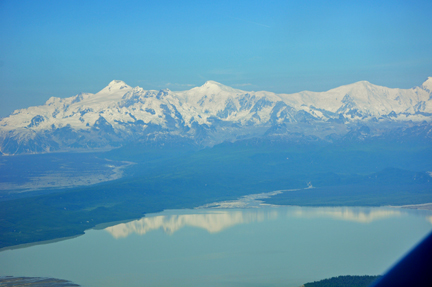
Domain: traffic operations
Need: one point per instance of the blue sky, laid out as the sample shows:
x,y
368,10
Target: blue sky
x,y
61,48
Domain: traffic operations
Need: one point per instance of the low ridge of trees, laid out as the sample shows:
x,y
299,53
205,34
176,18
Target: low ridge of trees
x,y
344,281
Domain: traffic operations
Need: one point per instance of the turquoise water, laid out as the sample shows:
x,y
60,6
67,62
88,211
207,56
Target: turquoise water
x,y
269,246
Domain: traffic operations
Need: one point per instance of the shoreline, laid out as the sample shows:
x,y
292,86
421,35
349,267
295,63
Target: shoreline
x,y
62,181
251,201
421,206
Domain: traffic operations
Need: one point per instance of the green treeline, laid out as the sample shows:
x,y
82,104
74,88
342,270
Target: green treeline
x,y
344,281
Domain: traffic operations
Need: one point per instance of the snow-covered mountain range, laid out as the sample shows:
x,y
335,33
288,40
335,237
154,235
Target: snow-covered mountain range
x,y
208,115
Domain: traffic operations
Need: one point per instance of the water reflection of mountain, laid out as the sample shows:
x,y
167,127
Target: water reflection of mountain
x,y
216,221
212,222
355,214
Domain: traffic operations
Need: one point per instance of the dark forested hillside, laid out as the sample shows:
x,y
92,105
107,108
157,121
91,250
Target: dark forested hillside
x,y
344,281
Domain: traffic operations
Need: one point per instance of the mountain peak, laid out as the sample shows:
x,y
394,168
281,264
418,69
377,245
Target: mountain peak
x,y
212,83
212,86
362,83
427,85
116,85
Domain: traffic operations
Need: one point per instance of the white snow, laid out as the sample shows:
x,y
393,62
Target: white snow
x,y
120,103
427,85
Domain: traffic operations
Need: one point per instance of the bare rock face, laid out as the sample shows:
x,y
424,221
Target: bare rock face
x,y
213,113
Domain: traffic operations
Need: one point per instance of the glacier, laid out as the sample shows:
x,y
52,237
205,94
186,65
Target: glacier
x,y
214,113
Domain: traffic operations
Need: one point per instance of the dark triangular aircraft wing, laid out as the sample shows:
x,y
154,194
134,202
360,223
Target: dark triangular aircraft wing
x,y
415,269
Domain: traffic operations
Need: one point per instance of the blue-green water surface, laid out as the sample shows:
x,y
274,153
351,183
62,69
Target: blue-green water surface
x,y
270,246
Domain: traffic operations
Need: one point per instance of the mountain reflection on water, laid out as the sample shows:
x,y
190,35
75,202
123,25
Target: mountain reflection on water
x,y
217,220
212,222
349,214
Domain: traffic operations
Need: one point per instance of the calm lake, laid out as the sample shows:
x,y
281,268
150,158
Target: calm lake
x,y
266,246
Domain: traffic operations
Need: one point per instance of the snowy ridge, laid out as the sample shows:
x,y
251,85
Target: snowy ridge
x,y
207,114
